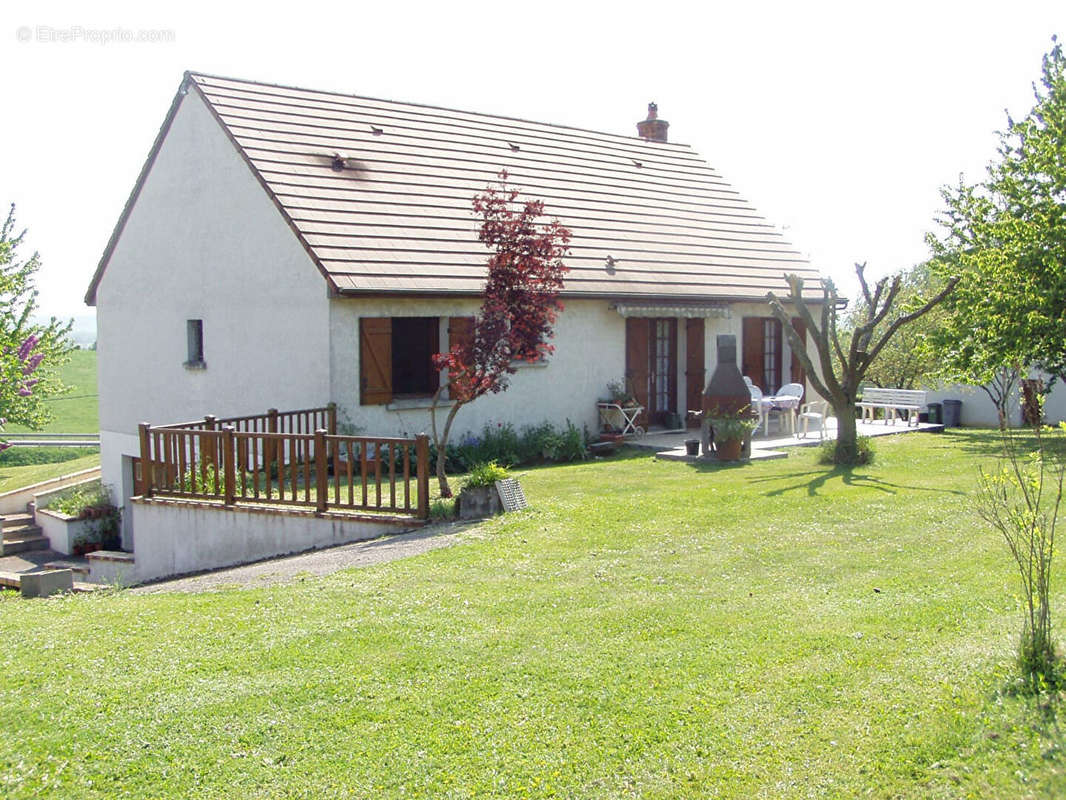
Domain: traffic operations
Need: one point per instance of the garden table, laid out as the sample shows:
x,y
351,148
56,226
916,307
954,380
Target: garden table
x,y
611,412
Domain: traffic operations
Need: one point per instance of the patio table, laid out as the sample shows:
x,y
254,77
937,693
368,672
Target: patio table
x,y
783,403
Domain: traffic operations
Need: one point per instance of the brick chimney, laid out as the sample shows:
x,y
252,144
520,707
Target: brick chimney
x,y
653,129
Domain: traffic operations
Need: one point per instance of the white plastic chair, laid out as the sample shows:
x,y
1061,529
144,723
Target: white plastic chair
x,y
790,390
815,412
757,404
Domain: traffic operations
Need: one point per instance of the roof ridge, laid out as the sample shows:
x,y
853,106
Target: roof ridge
x,y
193,75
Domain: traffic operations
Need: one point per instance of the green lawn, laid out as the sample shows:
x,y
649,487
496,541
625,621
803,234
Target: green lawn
x,y
77,410
649,629
18,477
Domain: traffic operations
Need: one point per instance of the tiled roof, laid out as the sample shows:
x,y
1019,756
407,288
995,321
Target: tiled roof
x,y
649,219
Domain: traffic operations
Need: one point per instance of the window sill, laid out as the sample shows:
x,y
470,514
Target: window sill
x,y
195,365
414,403
530,364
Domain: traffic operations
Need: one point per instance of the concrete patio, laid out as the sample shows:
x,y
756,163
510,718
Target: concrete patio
x,y
671,444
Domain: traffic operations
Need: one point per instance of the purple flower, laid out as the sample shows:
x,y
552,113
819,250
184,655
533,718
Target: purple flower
x,y
27,346
32,364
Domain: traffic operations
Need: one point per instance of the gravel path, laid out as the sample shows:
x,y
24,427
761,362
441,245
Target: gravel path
x,y
315,562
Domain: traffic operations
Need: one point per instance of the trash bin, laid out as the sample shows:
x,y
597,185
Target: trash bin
x,y
952,413
935,417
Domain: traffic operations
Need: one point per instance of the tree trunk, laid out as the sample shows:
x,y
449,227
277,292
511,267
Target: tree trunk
x,y
442,448
847,435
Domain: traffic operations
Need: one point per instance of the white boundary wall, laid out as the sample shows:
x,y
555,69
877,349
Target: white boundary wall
x,y
174,538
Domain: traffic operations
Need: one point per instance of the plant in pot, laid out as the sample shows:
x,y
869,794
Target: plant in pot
x,y
479,497
730,432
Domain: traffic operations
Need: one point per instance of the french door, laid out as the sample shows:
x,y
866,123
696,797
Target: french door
x,y
651,365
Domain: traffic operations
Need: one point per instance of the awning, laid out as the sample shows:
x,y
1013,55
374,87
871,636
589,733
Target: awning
x,y
701,310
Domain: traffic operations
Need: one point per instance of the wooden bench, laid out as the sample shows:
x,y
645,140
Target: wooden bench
x,y
892,401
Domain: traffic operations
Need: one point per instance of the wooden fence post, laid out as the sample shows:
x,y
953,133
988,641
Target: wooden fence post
x,y
422,453
269,446
209,454
228,467
147,467
331,414
321,478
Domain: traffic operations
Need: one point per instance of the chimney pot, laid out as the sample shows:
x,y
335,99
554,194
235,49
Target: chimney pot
x,y
653,129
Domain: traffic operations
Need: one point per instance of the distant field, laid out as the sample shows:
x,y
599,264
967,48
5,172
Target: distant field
x,y
77,410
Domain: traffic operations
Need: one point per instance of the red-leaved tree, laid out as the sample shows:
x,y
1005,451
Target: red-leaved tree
x,y
520,305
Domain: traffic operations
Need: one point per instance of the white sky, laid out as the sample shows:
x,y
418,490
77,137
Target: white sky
x,y
838,121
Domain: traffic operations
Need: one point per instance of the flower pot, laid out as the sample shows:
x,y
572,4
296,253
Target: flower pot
x,y
729,449
692,447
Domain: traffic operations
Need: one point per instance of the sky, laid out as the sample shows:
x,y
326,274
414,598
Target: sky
x,y
840,122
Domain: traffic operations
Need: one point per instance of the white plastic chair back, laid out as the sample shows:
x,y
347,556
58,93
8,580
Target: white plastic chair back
x,y
756,392
747,380
791,390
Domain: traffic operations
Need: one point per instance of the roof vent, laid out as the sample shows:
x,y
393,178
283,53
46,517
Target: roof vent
x,y
653,129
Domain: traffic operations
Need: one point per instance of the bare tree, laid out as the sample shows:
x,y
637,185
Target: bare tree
x,y
842,364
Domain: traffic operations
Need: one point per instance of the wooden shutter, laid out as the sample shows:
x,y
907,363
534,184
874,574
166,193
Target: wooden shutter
x,y
637,335
751,359
695,369
375,360
460,331
798,374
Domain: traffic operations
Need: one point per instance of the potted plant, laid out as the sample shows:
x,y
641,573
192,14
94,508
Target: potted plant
x,y
479,497
730,433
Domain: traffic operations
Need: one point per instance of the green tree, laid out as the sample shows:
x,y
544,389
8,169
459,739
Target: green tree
x,y
844,357
30,351
910,358
1005,239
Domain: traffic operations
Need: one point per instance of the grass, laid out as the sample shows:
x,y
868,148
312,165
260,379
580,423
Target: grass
x,y
77,410
649,629
17,477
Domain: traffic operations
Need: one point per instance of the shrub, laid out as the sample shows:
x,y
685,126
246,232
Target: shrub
x,y
74,502
502,444
24,456
1021,500
442,509
486,474
864,452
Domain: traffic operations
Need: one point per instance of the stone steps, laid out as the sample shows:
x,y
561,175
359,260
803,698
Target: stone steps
x,y
20,534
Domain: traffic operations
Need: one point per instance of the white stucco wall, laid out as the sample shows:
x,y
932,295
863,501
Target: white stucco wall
x,y
978,409
204,241
589,353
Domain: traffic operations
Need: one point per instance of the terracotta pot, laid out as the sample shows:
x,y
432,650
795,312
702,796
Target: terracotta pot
x,y
729,449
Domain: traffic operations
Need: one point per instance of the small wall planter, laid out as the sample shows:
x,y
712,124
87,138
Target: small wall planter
x,y
64,531
478,502
692,447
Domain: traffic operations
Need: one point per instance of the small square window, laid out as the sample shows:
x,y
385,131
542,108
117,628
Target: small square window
x,y
194,329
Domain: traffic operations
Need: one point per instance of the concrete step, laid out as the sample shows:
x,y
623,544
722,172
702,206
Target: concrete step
x,y
79,567
16,520
23,542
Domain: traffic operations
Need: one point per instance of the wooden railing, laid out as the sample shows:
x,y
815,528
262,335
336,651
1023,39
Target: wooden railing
x,y
292,458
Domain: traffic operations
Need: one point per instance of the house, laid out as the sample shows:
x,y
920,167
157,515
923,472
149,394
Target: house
x,y
285,247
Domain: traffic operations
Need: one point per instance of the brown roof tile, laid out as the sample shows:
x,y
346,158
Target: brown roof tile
x,y
398,218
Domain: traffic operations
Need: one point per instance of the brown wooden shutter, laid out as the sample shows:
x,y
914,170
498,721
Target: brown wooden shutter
x,y
751,356
375,360
460,331
695,369
637,364
798,374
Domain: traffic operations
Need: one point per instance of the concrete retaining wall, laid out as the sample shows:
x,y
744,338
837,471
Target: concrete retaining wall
x,y
176,537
